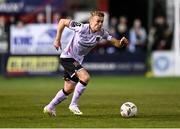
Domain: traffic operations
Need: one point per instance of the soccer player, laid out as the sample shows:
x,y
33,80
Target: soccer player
x,y
76,77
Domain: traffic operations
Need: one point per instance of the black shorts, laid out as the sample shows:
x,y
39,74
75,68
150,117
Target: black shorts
x,y
70,66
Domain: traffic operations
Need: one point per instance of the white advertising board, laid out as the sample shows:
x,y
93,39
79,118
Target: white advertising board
x,y
36,39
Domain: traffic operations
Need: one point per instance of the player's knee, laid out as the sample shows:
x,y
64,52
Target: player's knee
x,y
68,90
69,87
85,78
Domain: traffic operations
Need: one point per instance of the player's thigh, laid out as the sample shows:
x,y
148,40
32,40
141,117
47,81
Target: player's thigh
x,y
70,65
67,77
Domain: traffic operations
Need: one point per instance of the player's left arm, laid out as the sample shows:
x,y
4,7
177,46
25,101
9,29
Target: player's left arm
x,y
119,43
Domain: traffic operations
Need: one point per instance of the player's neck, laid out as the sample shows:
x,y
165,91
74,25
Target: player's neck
x,y
91,30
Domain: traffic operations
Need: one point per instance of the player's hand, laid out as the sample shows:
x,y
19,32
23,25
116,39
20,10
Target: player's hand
x,y
57,44
124,42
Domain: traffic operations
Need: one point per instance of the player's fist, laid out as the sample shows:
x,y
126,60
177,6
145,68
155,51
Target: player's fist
x,y
124,42
57,44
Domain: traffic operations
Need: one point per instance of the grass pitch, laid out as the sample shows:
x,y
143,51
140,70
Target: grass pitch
x,y
22,101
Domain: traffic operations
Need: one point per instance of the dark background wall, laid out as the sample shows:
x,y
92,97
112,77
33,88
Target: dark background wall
x,y
146,10
131,8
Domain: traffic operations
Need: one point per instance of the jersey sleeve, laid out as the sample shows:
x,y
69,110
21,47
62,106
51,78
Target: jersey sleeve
x,y
106,35
76,26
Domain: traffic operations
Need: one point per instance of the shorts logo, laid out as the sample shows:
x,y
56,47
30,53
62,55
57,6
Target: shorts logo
x,y
75,63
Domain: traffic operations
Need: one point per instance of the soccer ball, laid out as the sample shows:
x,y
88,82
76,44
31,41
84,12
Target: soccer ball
x,y
128,109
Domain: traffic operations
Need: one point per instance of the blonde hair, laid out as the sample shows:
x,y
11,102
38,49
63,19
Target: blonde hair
x,y
97,13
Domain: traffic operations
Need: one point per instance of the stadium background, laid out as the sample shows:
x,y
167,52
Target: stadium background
x,y
21,48
30,67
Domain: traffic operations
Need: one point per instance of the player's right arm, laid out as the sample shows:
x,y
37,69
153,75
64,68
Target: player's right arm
x,y
62,23
117,43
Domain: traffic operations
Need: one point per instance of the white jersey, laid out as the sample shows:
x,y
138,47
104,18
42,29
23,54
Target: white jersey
x,y
83,41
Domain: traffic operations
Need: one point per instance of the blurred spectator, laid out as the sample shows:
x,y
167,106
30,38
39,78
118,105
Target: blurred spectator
x,y
113,32
137,37
117,29
56,17
160,35
3,34
109,48
122,27
12,20
113,27
19,24
40,18
113,22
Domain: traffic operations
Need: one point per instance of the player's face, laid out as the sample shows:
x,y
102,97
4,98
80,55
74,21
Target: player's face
x,y
96,23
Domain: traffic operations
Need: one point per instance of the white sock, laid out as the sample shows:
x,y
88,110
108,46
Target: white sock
x,y
79,89
60,96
